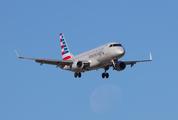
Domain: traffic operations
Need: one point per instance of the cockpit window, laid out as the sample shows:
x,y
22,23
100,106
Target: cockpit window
x,y
115,45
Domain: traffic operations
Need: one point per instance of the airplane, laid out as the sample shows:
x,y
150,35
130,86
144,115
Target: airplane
x,y
105,56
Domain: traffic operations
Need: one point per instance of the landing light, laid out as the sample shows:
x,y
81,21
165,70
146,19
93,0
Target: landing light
x,y
90,61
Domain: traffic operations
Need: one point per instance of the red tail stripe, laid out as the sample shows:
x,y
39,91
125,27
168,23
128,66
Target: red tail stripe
x,y
66,58
63,53
62,46
61,40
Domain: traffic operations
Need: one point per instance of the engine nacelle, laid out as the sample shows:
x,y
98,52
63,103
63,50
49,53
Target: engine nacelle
x,y
80,65
120,66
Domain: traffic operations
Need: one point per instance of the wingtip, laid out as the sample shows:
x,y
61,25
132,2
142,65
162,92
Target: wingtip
x,y
17,54
150,56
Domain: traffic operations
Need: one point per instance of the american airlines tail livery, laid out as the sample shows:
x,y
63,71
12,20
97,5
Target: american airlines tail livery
x,y
105,56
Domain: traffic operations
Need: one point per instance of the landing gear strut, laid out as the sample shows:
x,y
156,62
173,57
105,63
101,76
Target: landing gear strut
x,y
77,74
114,64
105,74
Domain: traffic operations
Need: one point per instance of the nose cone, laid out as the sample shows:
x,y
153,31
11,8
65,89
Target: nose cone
x,y
121,51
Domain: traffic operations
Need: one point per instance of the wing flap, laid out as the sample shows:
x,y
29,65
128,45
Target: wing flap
x,y
134,62
48,61
54,62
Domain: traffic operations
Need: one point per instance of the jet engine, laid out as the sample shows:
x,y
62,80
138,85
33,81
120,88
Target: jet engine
x,y
120,66
80,65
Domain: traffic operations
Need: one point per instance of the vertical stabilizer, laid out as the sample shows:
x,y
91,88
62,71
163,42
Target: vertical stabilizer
x,y
64,48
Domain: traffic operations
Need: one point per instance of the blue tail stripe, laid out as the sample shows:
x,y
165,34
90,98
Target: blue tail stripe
x,y
66,52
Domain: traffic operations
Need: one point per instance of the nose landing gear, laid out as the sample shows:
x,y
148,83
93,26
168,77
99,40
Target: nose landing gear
x,y
114,61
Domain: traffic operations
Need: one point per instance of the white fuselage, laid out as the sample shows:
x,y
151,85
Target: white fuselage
x,y
98,57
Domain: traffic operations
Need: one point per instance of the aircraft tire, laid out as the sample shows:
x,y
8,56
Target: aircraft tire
x,y
75,75
79,74
107,75
103,75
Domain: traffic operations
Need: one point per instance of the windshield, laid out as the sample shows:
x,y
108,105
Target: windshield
x,y
115,45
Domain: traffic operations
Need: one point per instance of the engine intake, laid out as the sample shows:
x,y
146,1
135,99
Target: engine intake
x,y
120,66
80,64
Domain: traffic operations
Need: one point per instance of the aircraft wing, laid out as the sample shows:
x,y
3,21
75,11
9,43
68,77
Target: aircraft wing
x,y
134,62
48,61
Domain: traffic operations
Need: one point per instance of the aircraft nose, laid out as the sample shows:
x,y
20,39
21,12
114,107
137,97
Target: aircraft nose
x,y
121,51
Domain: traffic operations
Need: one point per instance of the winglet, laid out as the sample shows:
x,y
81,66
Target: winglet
x,y
150,56
18,55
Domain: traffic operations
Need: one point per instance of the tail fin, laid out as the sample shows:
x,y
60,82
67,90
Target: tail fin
x,y
64,48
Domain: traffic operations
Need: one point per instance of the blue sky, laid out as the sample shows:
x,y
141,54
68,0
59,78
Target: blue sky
x,y
29,91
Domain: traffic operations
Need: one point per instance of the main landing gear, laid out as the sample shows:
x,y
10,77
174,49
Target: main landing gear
x,y
77,74
105,74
